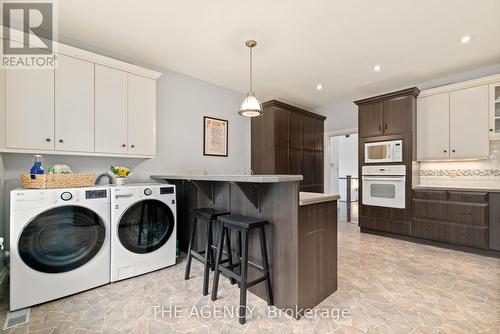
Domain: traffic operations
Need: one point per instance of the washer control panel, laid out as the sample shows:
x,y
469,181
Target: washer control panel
x,y
148,191
66,196
96,194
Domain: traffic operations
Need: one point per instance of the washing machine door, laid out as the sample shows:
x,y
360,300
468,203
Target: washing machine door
x,y
61,239
145,226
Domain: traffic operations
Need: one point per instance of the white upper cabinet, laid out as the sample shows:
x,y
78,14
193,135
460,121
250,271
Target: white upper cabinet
x,y
433,127
141,115
87,105
494,98
29,109
453,122
110,110
469,118
74,106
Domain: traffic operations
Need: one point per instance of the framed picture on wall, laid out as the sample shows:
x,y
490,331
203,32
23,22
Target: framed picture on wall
x,y
215,136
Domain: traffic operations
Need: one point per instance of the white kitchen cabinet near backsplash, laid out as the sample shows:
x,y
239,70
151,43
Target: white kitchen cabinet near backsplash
x,y
453,122
88,105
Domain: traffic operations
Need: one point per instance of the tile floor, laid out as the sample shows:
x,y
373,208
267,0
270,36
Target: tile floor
x,y
387,285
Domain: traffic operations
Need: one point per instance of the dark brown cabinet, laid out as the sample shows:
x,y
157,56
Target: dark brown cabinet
x,y
289,140
451,216
383,118
390,114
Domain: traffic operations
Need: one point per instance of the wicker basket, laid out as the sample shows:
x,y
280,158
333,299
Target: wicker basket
x,y
51,181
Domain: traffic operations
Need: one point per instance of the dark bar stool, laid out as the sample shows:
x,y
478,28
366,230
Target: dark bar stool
x,y
206,256
243,225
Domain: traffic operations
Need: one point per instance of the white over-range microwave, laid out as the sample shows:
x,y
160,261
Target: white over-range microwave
x,y
384,151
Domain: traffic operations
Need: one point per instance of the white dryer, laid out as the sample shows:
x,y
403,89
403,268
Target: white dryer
x,y
59,243
143,223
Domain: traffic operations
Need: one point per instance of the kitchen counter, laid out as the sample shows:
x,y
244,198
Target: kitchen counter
x,y
307,198
301,238
232,178
457,188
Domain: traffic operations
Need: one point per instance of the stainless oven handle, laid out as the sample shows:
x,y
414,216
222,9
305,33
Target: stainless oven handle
x,y
397,179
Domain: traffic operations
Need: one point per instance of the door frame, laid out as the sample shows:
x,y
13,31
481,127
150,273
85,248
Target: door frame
x,y
326,160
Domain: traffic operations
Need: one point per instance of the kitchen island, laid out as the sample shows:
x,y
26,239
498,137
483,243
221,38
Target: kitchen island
x,y
301,236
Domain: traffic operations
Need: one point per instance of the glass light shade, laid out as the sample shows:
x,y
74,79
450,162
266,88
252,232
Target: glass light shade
x,y
251,106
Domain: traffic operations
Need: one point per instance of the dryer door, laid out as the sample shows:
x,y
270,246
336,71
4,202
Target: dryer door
x,y
61,239
145,226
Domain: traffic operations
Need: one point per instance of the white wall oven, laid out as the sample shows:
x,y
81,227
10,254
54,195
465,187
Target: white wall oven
x,y
384,151
384,186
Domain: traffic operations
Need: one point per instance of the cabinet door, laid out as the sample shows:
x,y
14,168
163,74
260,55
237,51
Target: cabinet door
x,y
2,108
469,137
74,106
433,127
397,115
141,115
307,133
110,110
295,130
318,134
495,110
370,120
30,109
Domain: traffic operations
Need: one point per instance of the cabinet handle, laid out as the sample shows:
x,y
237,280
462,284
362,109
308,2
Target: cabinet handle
x,y
123,145
132,146
427,210
466,213
445,151
491,130
453,151
379,127
61,141
47,140
466,235
385,126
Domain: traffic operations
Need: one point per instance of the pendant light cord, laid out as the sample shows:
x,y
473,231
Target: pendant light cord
x,y
251,70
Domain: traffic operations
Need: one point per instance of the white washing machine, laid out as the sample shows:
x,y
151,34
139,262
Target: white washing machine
x,y
59,243
143,229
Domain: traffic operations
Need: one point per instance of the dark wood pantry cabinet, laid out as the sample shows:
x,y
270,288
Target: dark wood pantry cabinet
x,y
289,140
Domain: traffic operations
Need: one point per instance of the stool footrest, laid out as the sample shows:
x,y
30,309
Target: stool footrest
x,y
256,281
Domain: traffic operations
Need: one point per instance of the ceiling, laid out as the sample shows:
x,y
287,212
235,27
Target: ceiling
x,y
300,43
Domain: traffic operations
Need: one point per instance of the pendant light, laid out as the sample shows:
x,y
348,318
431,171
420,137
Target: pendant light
x,y
251,106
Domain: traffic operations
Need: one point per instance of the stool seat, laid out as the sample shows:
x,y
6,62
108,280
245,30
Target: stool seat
x,y
209,213
245,222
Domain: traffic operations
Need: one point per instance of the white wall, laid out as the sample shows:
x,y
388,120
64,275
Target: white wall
x,y
182,102
3,210
344,115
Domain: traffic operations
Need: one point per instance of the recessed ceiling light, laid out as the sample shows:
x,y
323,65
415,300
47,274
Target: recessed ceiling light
x,y
319,87
377,68
466,39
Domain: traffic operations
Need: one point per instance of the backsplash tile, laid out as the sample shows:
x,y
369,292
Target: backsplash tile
x,y
478,173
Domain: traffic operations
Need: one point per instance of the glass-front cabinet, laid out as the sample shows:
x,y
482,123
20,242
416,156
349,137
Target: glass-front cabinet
x,y
495,111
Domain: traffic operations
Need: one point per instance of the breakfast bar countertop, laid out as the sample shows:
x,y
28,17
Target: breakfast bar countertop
x,y
307,198
232,178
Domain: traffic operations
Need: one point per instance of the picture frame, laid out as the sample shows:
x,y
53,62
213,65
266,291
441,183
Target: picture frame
x,y
215,136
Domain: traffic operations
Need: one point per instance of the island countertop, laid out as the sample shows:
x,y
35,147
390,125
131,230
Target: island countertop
x,y
232,178
307,198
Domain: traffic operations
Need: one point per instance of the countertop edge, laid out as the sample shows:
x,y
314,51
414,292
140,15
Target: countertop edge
x,y
233,178
313,198
454,188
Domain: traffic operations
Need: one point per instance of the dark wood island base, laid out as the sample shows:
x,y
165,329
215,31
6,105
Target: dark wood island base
x,y
301,237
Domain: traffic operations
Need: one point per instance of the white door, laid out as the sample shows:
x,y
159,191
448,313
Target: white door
x,y
30,109
433,127
469,120
110,110
74,106
141,115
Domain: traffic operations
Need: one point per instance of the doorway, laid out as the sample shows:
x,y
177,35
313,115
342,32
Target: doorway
x,y
341,172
